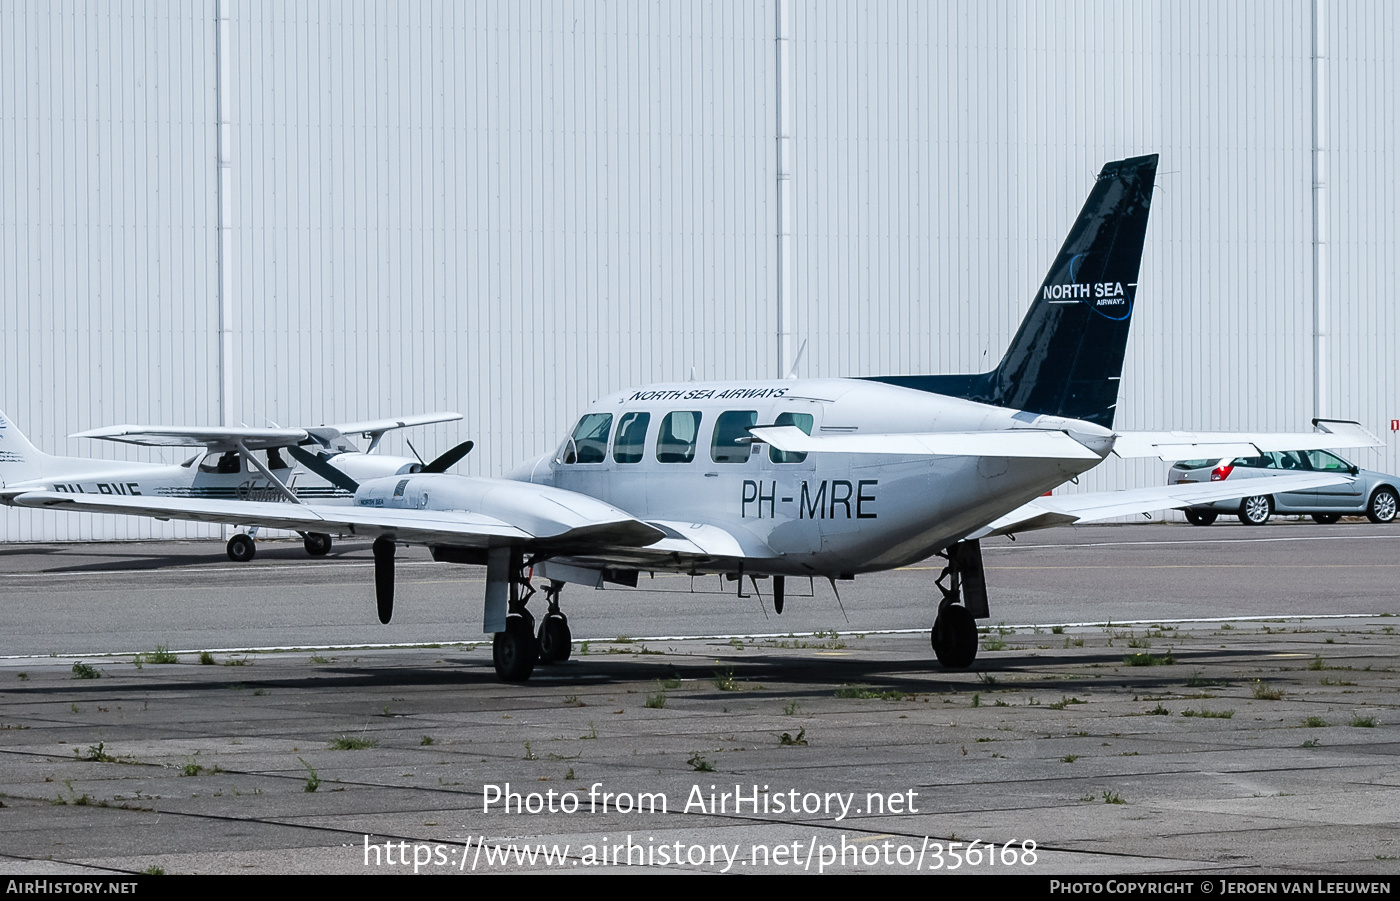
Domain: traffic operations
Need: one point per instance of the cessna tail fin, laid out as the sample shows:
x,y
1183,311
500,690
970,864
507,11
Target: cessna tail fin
x,y
20,461
1067,356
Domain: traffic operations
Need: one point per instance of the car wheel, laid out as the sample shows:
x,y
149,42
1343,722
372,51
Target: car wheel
x,y
1383,506
1255,511
1201,517
1326,519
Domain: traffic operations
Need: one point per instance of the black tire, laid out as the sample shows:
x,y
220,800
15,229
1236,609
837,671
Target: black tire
x,y
1326,519
556,642
1255,511
1383,506
1200,517
317,544
954,637
241,548
515,651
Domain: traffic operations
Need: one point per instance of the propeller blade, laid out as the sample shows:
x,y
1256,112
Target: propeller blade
x,y
447,460
384,578
324,469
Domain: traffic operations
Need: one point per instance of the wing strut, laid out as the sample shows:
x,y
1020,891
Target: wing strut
x,y
258,465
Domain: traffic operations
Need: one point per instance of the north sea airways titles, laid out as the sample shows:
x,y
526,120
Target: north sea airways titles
x,y
1104,294
708,394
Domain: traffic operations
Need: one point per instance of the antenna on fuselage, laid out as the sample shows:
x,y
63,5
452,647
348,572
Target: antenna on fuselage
x,y
837,592
792,373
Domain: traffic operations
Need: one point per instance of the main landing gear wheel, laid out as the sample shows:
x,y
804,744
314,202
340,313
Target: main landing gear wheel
x,y
515,650
317,544
556,642
1201,517
1326,519
241,548
954,637
1255,511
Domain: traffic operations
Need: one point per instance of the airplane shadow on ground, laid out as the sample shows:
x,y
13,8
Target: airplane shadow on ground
x,y
706,677
138,562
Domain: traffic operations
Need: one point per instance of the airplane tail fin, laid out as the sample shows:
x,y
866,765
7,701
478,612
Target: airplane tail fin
x,y
1067,356
20,461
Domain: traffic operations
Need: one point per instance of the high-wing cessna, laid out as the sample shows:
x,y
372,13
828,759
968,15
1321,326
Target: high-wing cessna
x,y
229,468
825,478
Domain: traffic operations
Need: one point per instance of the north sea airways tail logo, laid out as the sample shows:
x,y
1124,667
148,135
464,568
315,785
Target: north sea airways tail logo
x,y
1109,299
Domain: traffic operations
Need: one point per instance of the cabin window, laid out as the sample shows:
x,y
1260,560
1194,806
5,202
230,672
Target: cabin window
x,y
226,463
732,441
675,442
631,437
589,442
804,422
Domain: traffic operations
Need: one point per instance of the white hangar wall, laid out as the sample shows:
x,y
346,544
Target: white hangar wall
x,y
509,209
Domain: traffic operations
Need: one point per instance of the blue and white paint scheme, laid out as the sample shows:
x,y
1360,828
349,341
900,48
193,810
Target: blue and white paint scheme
x,y
824,478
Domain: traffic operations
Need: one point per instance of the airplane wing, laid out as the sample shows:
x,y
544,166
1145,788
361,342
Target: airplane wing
x,y
1043,443
212,437
1067,509
1173,446
505,513
374,429
218,438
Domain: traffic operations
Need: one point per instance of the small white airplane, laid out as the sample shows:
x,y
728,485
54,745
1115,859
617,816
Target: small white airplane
x,y
228,468
818,478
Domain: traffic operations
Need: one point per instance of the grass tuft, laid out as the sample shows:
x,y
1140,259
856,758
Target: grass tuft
x,y
1210,714
313,781
352,743
866,692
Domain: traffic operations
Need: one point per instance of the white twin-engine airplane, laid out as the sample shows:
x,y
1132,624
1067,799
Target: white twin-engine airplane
x,y
824,478
229,468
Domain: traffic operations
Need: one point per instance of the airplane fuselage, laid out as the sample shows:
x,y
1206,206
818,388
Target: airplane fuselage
x,y
679,456
208,476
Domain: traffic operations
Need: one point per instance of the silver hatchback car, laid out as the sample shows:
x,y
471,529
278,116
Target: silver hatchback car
x,y
1374,494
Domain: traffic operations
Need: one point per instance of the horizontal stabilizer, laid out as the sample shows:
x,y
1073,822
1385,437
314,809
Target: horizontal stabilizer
x,y
1173,446
1067,509
1040,443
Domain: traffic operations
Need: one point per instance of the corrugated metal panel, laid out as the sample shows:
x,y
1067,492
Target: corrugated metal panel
x,y
105,206
1364,138
510,208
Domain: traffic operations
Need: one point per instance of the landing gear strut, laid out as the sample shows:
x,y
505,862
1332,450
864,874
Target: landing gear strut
x,y
954,634
516,650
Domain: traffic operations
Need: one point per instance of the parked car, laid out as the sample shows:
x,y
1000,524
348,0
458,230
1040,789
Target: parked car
x,y
1374,494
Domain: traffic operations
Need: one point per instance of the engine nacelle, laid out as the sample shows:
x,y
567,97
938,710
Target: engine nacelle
x,y
364,467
